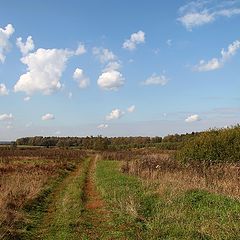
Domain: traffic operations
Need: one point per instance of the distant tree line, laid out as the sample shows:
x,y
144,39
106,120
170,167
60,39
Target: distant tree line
x,y
103,143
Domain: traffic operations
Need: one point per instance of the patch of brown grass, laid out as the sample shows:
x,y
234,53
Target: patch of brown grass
x,y
222,178
23,176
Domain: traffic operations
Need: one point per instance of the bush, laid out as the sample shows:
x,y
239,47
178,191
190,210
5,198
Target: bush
x,y
213,146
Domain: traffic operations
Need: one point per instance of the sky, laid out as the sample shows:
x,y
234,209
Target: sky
x,y
118,68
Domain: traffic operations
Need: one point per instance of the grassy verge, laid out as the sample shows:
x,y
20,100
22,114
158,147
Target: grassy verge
x,y
141,214
61,220
131,205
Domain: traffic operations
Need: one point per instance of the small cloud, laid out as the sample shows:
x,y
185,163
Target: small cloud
x,y
135,39
82,80
156,80
102,126
5,34
104,55
26,99
156,51
115,114
198,13
57,132
3,90
169,42
216,63
26,47
131,109
70,95
6,117
48,116
110,80
115,65
192,118
80,50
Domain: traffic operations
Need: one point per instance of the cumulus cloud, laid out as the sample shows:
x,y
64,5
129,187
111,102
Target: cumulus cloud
x,y
81,79
44,70
131,109
3,90
104,55
5,34
156,80
6,117
80,50
198,13
192,118
26,47
102,126
48,116
216,63
135,39
110,80
115,114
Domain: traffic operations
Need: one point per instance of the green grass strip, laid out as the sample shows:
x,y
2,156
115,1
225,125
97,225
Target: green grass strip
x,y
140,214
64,211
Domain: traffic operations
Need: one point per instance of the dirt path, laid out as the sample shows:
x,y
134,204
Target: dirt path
x,y
96,222
77,210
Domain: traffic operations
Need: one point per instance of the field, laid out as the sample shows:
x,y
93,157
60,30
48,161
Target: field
x,y
138,193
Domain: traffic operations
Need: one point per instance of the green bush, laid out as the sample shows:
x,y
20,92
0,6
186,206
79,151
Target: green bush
x,y
213,146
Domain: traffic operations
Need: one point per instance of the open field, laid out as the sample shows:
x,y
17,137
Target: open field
x,y
139,193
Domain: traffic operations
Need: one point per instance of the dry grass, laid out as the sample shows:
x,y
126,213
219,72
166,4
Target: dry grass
x,y
23,176
221,178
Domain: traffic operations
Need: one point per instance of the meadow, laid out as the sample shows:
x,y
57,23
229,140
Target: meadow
x,y
180,187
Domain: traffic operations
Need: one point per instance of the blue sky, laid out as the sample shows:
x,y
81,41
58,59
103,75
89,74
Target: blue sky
x,y
118,67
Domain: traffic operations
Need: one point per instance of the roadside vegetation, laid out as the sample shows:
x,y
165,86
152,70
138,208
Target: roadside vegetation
x,y
177,187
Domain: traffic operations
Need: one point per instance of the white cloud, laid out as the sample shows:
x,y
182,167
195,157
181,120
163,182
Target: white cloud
x,y
115,65
191,20
131,109
115,114
217,63
26,47
44,70
48,116
26,99
136,38
198,13
156,80
82,80
104,55
192,118
5,34
169,42
80,50
110,80
6,117
102,126
70,95
3,90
